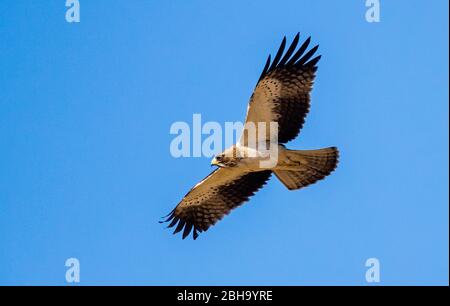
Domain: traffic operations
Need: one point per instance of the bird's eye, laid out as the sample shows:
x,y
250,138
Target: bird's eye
x,y
219,157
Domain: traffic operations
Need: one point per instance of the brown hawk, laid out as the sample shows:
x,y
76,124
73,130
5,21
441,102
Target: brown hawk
x,y
281,96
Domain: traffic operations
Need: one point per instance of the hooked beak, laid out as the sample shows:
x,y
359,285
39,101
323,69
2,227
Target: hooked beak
x,y
214,162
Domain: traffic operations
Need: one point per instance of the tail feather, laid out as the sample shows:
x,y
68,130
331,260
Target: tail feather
x,y
308,167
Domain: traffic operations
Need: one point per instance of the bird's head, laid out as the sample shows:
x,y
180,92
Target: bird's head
x,y
226,159
218,160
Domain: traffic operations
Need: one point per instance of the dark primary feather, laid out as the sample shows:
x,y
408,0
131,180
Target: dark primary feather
x,y
299,52
266,67
291,50
279,54
200,215
289,60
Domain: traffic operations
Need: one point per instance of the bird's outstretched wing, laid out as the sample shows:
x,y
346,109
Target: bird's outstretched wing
x,y
282,93
213,198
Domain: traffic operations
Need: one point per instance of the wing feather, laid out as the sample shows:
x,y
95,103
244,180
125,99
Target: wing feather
x,y
213,198
299,52
290,50
279,54
282,93
266,68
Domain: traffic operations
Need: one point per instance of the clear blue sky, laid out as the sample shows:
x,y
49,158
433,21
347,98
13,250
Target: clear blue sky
x,y
86,171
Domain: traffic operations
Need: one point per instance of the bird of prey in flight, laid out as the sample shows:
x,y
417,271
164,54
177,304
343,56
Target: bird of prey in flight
x,y
282,95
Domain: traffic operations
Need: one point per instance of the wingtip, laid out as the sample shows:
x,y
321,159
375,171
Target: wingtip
x,y
172,224
169,214
179,227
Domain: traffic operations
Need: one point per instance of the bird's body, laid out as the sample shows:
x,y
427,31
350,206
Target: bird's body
x,y
275,115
